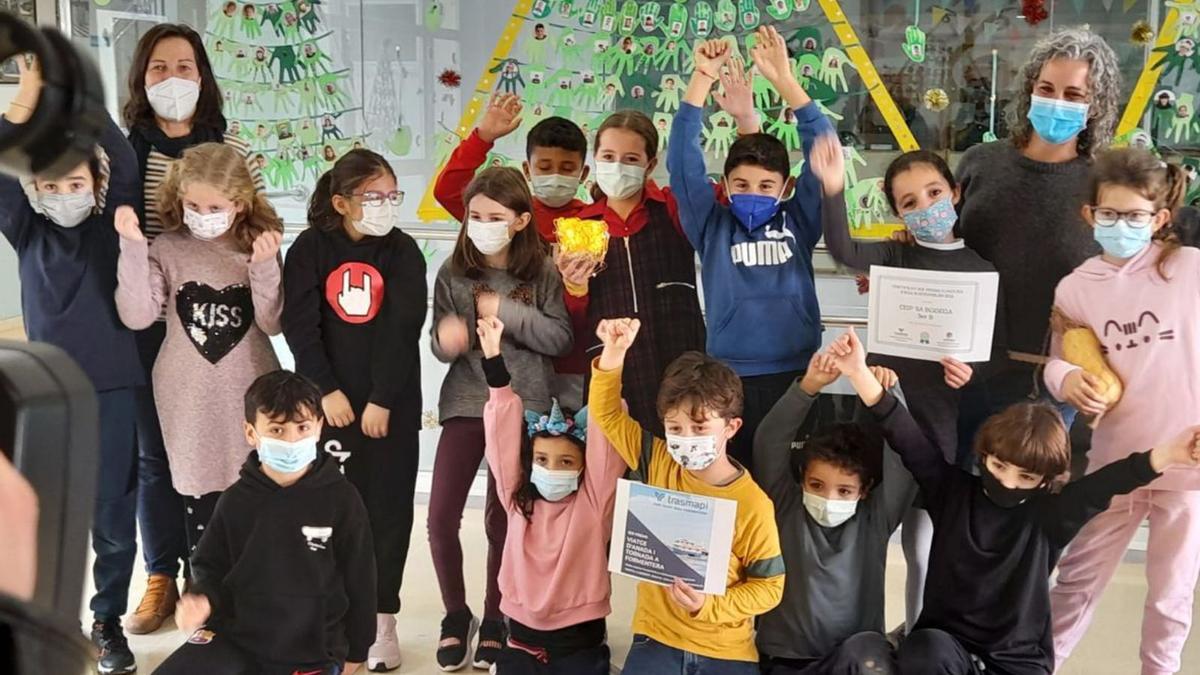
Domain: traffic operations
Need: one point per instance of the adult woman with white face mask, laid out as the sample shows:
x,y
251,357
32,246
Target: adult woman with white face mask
x,y
1066,110
174,104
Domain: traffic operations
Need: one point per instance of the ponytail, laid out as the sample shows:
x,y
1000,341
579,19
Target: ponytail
x,y
321,213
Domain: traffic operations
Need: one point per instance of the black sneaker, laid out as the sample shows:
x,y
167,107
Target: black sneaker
x,y
492,636
454,647
113,657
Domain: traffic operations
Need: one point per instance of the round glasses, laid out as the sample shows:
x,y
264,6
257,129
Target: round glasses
x,y
378,198
1109,217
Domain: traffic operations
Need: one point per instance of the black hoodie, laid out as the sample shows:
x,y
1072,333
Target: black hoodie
x,y
290,571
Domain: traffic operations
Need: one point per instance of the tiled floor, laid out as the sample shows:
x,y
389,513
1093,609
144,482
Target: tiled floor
x,y
1110,648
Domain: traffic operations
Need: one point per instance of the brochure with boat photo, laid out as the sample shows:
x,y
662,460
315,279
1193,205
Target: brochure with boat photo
x,y
661,535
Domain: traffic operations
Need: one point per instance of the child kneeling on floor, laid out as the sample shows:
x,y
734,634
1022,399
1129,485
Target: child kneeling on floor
x,y
283,580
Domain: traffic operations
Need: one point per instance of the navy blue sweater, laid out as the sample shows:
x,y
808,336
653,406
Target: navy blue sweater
x,y
760,295
69,275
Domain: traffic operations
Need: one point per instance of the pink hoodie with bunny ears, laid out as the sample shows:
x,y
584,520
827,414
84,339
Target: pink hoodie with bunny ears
x,y
554,572
1149,329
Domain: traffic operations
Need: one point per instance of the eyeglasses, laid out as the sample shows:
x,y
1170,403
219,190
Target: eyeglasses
x,y
1109,217
377,198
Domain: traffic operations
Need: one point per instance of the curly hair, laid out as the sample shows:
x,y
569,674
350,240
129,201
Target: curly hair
x,y
1104,84
224,168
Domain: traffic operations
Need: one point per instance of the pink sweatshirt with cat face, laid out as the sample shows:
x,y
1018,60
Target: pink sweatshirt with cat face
x,y
554,572
1149,329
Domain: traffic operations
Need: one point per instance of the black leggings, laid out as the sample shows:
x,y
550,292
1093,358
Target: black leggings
x,y
197,512
866,653
930,651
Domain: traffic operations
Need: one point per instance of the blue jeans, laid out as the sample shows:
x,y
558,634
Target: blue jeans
x,y
114,523
650,657
159,507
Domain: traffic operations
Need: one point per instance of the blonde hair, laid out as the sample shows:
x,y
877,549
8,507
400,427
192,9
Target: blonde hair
x,y
224,168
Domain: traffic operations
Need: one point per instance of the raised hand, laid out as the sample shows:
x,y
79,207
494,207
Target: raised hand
x,y
489,329
618,333
29,90
770,55
266,245
828,163
502,117
338,411
822,371
191,612
958,374
453,336
736,96
710,55
375,421
848,352
125,221
354,300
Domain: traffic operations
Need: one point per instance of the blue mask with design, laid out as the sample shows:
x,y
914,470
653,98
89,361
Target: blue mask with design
x,y
1122,240
1055,120
753,210
933,223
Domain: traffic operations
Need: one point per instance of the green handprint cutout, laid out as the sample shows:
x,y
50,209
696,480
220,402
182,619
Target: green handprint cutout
x,y
536,114
721,134
801,5
677,22
865,202
561,84
784,128
702,19
1185,113
541,9
608,16
570,50
667,96
1188,17
914,44
748,13
662,123
833,66
1177,57
535,90
765,94
566,9
808,68
591,14
649,53
827,112
649,19
588,90
779,10
852,157
669,54
628,19
726,18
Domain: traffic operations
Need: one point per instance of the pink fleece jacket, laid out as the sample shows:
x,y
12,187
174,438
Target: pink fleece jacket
x,y
554,572
1150,331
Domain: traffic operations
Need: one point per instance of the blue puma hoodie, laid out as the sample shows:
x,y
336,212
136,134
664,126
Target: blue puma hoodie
x,y
760,294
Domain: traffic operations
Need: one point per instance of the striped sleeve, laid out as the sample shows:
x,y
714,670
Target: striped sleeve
x,y
756,545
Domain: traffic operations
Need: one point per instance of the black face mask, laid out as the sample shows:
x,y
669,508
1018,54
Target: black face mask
x,y
1005,497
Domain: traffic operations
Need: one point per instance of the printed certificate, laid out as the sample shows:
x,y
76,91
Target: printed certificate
x,y
922,314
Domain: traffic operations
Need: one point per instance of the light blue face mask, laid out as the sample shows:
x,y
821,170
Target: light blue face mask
x,y
1122,240
554,485
287,457
1055,120
933,223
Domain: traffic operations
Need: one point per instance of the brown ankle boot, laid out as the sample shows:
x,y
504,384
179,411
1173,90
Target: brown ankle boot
x,y
157,604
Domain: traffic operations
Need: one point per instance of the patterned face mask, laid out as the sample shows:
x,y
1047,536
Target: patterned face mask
x,y
934,223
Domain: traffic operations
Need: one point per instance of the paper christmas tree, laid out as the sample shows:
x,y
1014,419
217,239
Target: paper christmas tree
x,y
284,95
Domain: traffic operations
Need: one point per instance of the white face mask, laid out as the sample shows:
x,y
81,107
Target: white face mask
x,y
67,210
206,226
377,221
554,485
829,512
489,238
174,98
694,453
620,181
555,190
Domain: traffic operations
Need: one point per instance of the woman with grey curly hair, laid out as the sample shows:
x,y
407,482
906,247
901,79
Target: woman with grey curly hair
x,y
1022,197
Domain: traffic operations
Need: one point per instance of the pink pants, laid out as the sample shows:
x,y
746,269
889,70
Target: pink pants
x,y
1172,566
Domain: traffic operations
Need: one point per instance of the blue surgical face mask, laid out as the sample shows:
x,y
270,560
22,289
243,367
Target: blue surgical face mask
x,y
1055,120
554,485
753,210
1122,240
933,223
287,457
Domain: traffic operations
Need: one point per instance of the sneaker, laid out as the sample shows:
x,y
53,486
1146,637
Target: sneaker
x,y
492,636
385,653
113,657
157,604
454,647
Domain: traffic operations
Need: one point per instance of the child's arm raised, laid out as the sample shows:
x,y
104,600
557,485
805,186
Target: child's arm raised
x,y
1083,499
399,328
503,115
685,160
503,416
15,212
828,165
773,442
141,280
921,457
604,396
546,328
266,282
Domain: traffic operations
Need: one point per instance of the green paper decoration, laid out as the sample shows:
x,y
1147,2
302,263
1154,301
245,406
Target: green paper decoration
x,y
780,10
726,18
541,9
702,20
649,19
677,21
749,15
628,19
